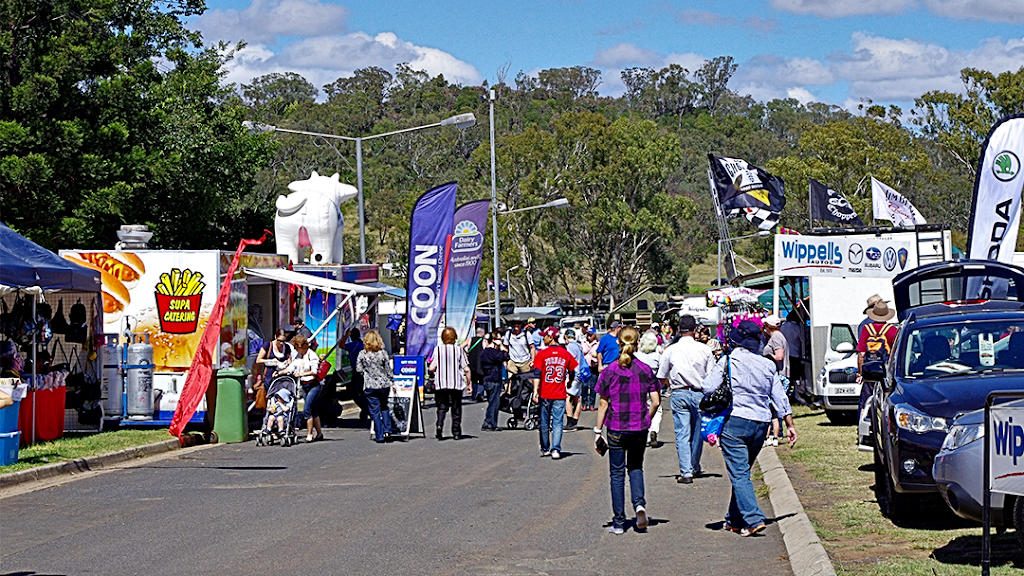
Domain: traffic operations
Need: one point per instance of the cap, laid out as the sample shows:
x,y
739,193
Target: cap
x,y
570,334
654,324
615,324
687,323
531,320
550,332
773,321
591,330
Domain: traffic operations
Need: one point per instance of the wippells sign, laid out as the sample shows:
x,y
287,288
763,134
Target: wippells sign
x,y
1007,450
840,257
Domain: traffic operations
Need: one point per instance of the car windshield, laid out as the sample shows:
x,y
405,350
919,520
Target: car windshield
x,y
954,349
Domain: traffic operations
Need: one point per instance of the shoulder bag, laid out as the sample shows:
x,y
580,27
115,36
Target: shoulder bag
x,y
721,399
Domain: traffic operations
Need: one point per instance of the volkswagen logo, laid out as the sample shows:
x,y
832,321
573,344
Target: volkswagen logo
x,y
873,254
856,254
890,259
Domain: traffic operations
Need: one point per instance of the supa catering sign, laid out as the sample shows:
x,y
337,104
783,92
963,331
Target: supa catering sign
x,y
840,257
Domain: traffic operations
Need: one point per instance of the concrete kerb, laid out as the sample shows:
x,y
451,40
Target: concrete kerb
x,y
806,554
87,464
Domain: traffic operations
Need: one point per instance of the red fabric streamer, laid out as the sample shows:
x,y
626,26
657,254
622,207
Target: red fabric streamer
x,y
198,379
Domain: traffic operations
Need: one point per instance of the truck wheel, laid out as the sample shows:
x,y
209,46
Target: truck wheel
x,y
1018,520
841,417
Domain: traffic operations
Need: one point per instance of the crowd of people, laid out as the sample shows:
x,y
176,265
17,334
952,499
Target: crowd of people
x,y
625,375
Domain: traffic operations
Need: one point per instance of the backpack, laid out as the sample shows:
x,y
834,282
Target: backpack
x,y
877,345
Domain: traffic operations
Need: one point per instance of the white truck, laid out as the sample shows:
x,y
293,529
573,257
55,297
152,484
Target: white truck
x,y
843,270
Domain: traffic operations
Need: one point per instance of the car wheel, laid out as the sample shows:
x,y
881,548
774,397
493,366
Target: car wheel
x,y
1018,520
893,505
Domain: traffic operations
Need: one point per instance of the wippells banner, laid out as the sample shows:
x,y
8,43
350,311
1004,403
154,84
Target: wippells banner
x,y
467,250
840,257
430,227
997,195
1006,438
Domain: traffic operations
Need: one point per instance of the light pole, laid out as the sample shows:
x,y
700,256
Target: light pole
x,y
460,121
758,234
494,221
508,278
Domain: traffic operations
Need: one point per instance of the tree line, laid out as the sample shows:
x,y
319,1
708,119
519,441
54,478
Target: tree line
x,y
115,113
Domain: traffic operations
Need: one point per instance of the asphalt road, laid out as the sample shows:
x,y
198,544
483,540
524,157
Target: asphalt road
x,y
484,505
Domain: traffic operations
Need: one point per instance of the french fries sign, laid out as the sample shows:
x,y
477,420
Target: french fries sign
x,y
179,297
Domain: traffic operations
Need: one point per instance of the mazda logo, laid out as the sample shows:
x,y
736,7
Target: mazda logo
x,y
856,253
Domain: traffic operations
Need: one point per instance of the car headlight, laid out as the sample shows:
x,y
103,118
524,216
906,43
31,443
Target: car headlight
x,y
914,421
962,435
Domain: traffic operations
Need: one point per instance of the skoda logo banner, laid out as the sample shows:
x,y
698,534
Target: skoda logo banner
x,y
1006,166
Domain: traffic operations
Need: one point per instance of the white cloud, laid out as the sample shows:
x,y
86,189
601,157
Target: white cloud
x,y
625,54
1001,11
768,76
703,18
324,59
840,8
801,95
264,21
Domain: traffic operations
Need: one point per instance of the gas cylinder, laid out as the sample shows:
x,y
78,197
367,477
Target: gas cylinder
x,y
139,378
111,382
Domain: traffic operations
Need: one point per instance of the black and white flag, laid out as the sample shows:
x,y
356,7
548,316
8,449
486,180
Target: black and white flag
x,y
746,190
827,204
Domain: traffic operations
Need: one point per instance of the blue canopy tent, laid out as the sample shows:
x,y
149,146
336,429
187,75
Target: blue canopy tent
x,y
28,267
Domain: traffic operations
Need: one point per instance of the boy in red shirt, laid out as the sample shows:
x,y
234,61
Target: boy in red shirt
x,y
557,368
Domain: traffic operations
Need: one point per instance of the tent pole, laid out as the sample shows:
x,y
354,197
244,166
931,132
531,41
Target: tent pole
x,y
35,349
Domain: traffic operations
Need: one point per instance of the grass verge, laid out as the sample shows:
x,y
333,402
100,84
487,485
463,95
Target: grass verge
x,y
75,446
835,480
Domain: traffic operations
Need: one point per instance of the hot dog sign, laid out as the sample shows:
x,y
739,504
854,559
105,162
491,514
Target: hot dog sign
x,y
167,293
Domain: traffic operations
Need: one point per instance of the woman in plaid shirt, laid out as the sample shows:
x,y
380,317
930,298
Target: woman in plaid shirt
x,y
625,387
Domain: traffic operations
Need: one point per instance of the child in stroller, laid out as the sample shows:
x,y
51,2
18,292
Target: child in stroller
x,y
280,410
517,400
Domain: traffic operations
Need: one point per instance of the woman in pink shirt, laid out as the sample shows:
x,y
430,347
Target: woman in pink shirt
x,y
589,345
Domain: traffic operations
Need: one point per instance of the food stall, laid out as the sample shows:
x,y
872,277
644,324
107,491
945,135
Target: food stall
x,y
49,313
166,296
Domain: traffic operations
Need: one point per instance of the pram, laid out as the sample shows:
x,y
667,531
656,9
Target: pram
x,y
517,400
286,437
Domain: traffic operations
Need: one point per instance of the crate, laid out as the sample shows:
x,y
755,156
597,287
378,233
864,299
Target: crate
x,y
9,418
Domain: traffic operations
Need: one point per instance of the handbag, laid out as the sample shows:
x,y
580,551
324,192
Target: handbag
x,y
719,400
59,324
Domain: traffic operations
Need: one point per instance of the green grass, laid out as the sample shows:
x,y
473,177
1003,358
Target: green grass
x,y
80,446
842,507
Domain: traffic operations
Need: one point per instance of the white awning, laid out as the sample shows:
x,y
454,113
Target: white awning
x,y
311,281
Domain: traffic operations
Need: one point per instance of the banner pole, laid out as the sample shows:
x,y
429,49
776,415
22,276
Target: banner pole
x,y
810,213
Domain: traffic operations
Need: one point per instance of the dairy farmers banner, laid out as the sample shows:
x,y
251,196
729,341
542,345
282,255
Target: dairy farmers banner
x,y
467,249
429,231
840,257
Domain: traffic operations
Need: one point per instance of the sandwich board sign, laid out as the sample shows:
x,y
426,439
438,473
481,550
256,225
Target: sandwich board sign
x,y
405,408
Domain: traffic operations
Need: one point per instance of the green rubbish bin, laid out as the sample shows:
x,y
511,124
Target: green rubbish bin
x,y
229,417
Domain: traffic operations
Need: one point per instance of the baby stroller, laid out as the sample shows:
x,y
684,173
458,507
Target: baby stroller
x,y
517,400
287,436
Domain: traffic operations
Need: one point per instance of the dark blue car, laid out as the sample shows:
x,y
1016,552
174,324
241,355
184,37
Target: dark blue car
x,y
961,336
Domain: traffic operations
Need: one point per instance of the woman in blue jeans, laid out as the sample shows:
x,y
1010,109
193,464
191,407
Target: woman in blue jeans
x,y
625,387
755,382
377,371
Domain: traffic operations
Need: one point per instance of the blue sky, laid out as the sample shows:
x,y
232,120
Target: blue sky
x,y
836,51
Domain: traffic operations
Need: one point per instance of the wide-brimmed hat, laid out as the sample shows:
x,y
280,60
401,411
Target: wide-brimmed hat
x,y
746,335
880,312
872,301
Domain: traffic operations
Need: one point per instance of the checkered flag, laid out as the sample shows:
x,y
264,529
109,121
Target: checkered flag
x,y
762,218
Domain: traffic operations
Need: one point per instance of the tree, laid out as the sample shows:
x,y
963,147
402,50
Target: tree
x,y
713,77
274,93
96,133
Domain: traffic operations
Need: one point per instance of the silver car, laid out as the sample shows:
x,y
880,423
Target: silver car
x,y
958,473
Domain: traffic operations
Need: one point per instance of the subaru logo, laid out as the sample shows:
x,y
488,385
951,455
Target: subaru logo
x,y
890,259
856,254
873,254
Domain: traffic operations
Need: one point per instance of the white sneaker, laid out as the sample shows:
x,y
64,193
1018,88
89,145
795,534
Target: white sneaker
x,y
555,455
775,441
544,453
615,530
641,518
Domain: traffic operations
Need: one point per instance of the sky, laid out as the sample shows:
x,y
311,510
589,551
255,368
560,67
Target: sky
x,y
836,51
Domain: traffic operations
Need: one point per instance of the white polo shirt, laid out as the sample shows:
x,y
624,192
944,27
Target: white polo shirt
x,y
686,363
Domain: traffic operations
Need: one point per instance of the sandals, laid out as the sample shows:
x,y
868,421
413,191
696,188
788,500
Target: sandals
x,y
751,531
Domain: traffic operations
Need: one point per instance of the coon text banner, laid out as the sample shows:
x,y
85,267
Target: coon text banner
x,y
430,227
464,260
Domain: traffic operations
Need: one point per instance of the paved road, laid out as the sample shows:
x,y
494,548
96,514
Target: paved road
x,y
485,505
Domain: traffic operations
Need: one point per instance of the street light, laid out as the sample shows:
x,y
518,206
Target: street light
x,y
556,203
460,121
758,234
508,279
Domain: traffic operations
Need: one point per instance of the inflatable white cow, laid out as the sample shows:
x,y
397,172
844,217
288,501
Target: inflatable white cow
x,y
311,216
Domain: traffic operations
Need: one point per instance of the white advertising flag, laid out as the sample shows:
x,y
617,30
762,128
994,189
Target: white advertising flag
x,y
890,205
995,215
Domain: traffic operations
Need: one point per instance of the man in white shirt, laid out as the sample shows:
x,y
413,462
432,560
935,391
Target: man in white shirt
x,y
520,349
683,368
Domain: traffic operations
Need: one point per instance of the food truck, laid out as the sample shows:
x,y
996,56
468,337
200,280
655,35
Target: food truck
x,y
166,296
